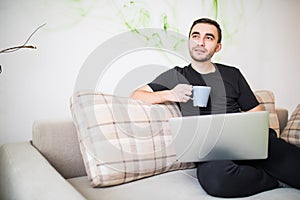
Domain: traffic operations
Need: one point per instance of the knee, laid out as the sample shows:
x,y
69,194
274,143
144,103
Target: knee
x,y
215,181
212,186
214,189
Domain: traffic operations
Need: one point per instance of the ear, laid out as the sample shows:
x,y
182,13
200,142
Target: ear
x,y
218,47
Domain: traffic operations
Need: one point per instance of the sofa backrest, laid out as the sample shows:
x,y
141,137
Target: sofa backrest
x,y
57,141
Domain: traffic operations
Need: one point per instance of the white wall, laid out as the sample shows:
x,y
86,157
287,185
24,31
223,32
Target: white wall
x,y
281,52
260,37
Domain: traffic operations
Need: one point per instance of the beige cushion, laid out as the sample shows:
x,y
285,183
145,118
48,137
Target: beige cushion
x,y
57,140
267,101
291,132
122,139
283,115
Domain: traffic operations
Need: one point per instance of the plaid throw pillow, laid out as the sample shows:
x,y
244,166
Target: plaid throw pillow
x,y
122,139
291,132
267,100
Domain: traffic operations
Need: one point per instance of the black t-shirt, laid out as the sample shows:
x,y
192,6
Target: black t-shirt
x,y
230,91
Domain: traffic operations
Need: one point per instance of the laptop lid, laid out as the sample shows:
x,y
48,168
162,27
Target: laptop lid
x,y
236,136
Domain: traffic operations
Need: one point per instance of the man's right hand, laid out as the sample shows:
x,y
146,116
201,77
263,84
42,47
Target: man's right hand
x,y
181,93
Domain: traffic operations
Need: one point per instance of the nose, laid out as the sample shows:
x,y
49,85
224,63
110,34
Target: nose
x,y
200,42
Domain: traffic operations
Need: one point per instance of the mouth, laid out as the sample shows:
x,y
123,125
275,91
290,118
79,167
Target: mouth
x,y
199,50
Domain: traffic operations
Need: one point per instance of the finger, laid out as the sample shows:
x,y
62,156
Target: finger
x,y
185,98
188,93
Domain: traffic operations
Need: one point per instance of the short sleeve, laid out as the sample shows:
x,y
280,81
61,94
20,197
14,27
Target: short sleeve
x,y
168,80
247,99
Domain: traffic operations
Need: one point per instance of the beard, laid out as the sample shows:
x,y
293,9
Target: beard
x,y
201,58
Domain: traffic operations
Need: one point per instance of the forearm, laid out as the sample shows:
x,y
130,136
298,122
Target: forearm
x,y
180,93
151,97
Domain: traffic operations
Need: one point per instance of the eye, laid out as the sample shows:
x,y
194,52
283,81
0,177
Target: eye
x,y
195,36
209,37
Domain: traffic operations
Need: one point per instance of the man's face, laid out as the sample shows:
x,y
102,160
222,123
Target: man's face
x,y
203,42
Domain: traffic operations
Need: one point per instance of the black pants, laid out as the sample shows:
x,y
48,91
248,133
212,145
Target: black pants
x,y
244,178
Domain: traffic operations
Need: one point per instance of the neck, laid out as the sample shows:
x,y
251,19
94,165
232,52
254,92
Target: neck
x,y
203,67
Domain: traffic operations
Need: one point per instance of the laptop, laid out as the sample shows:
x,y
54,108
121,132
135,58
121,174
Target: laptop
x,y
236,136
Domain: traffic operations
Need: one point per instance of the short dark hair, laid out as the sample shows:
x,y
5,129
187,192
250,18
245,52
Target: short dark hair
x,y
208,21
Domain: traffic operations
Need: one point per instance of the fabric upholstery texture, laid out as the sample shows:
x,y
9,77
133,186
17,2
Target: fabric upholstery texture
x,y
282,115
291,132
267,101
26,175
57,141
176,185
122,139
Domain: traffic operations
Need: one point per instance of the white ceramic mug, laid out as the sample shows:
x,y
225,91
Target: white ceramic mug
x,y
201,95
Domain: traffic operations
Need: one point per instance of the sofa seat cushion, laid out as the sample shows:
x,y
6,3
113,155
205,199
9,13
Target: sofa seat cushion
x,y
175,185
180,184
122,139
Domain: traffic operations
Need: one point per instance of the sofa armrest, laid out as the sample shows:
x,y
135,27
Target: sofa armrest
x,y
26,174
282,114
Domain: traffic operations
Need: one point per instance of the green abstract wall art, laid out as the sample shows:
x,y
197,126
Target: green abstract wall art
x,y
117,16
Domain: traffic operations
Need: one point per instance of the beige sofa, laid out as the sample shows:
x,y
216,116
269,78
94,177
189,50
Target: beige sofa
x,y
51,167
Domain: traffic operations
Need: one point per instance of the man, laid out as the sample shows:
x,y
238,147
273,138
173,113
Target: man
x,y
230,93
